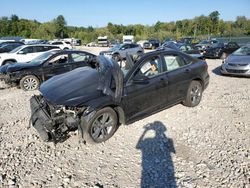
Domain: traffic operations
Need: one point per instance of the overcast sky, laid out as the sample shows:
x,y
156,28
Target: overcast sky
x,y
98,13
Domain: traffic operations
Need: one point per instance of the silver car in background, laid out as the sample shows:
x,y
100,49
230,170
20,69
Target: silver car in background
x,y
238,63
119,51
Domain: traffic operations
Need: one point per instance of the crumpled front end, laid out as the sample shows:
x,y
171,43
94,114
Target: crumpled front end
x,y
53,122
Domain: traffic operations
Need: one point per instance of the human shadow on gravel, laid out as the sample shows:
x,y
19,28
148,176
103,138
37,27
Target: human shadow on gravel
x,y
157,164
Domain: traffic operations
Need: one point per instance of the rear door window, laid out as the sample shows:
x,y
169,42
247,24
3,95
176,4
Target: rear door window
x,y
79,57
173,62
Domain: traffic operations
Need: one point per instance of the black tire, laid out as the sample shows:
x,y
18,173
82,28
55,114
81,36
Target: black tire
x,y
29,83
8,62
96,130
223,55
194,94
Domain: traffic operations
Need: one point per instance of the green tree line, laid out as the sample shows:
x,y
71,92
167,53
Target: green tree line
x,y
199,27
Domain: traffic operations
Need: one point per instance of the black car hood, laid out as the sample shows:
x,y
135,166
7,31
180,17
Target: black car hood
x,y
76,87
72,88
239,59
18,66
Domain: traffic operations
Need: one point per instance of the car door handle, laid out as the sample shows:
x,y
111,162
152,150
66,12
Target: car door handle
x,y
164,81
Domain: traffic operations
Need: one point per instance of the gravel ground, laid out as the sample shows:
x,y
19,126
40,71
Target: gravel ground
x,y
205,146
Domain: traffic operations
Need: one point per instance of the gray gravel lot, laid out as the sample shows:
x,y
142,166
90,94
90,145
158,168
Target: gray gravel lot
x,y
205,146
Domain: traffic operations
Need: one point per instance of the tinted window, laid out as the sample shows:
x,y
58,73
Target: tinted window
x,y
174,62
60,59
39,49
78,57
28,50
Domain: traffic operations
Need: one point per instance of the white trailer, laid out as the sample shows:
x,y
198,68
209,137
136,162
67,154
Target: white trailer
x,y
102,41
128,39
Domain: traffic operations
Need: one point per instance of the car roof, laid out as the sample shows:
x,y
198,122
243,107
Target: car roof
x,y
26,45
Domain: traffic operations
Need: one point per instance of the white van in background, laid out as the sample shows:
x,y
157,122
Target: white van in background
x,y
128,39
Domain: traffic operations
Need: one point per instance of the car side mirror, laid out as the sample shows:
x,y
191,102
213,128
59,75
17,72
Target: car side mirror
x,y
21,52
140,79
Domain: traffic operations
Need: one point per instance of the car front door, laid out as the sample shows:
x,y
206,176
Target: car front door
x,y
26,54
56,65
179,75
79,59
146,90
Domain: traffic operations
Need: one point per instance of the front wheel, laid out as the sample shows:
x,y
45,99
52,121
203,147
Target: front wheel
x,y
102,126
29,83
194,94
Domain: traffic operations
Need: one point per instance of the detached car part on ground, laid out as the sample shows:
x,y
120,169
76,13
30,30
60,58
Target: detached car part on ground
x,y
30,75
96,101
238,63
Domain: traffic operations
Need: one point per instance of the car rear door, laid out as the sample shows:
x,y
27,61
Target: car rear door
x,y
57,65
179,75
146,90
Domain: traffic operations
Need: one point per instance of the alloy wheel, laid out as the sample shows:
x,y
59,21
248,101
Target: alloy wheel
x,y
102,127
30,84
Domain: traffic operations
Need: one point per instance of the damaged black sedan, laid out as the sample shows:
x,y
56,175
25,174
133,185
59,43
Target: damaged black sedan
x,y
95,101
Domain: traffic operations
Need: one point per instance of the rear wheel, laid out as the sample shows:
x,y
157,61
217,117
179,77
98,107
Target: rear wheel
x,y
102,126
29,83
194,94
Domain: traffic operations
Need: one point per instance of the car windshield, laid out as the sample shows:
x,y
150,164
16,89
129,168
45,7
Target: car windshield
x,y
16,49
116,47
244,50
41,58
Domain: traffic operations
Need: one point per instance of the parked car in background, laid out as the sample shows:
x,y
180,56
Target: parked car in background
x,y
238,63
186,48
9,46
152,44
85,99
118,52
64,45
25,53
91,44
203,45
128,39
141,42
30,75
220,50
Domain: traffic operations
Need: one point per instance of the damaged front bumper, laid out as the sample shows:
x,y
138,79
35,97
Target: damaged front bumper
x,y
52,122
